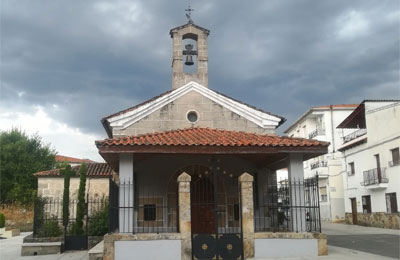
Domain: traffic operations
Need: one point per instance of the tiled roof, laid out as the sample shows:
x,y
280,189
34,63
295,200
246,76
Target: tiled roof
x,y
62,158
197,136
94,170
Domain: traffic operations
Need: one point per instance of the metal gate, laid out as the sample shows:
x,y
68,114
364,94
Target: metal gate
x,y
215,213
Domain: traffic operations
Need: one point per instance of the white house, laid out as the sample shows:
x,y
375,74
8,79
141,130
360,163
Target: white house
x,y
371,160
320,123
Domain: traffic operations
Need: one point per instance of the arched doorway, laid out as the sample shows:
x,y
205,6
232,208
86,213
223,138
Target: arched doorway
x,y
202,203
215,212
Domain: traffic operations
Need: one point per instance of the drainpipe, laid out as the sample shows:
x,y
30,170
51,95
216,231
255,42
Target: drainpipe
x,y
332,129
333,157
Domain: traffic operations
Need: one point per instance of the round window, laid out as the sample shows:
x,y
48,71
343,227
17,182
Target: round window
x,y
192,117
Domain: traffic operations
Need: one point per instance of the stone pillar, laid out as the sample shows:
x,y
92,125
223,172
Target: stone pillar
x,y
126,193
247,207
296,176
184,215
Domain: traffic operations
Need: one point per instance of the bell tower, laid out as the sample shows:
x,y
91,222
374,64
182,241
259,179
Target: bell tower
x,y
184,56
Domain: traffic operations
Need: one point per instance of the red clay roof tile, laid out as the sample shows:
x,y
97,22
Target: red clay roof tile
x,y
198,136
94,170
62,158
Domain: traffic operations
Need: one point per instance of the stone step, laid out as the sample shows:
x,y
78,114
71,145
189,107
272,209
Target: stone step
x,y
7,232
96,253
47,248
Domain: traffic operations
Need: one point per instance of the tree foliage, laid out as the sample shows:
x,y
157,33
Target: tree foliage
x,y
2,220
66,172
21,156
98,225
77,228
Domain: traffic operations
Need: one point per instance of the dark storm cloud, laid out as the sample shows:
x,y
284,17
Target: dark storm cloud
x,y
93,58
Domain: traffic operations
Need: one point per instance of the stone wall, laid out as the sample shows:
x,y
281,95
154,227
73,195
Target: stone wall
x,y
179,78
376,219
174,116
53,187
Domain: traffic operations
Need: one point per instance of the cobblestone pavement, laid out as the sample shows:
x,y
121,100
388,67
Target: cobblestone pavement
x,y
10,249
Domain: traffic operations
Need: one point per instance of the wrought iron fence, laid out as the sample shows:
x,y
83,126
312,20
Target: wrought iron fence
x,y
318,164
287,206
354,135
143,209
48,218
316,132
374,176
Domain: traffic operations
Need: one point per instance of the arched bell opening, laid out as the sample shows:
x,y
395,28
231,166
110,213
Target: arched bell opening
x,y
189,53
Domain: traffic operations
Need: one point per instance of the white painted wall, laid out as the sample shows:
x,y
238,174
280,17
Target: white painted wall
x,y
126,198
267,248
383,134
332,175
296,173
148,250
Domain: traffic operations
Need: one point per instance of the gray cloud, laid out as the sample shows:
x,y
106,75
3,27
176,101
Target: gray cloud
x,y
93,58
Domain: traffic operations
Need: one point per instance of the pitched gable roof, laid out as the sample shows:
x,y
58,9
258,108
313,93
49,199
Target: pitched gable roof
x,y
188,25
124,118
93,170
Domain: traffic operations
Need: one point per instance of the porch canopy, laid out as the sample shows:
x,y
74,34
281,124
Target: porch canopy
x,y
263,150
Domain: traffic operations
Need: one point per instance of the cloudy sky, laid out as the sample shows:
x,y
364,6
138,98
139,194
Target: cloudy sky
x,y
67,64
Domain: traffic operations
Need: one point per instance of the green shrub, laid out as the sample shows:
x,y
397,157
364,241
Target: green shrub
x,y
98,224
76,229
50,228
2,220
281,217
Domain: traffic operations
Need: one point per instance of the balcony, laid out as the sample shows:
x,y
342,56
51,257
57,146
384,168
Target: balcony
x,y
316,132
318,165
375,179
354,135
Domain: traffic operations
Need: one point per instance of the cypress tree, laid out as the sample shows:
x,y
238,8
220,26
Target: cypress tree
x,y
77,228
67,175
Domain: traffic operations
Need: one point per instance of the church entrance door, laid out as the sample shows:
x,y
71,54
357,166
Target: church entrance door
x,y
215,213
202,201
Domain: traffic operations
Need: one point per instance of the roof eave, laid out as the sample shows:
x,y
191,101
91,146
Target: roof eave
x,y
197,149
107,127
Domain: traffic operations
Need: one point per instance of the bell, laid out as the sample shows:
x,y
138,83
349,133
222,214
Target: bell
x,y
189,60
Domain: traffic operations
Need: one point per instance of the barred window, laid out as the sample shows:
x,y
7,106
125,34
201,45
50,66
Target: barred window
x,y
323,193
149,212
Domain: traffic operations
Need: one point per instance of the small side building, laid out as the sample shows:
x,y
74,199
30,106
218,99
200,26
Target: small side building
x,y
372,163
320,123
51,183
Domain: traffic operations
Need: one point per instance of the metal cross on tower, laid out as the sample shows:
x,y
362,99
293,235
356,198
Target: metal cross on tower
x,y
189,13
